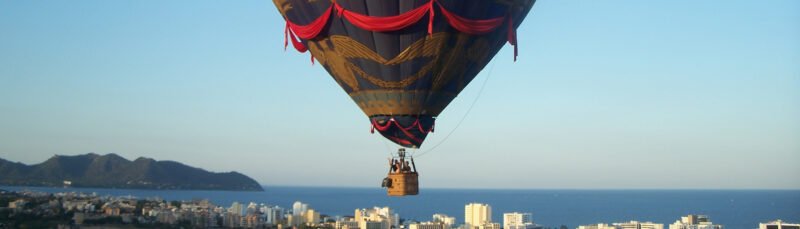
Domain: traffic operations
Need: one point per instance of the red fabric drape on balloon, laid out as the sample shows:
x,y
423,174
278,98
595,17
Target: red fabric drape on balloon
x,y
386,126
306,31
401,141
512,35
394,23
471,26
311,30
408,134
389,122
383,24
379,127
299,46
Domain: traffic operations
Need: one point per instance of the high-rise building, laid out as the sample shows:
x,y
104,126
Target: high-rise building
x,y
694,222
477,214
250,221
237,208
251,208
307,217
293,220
516,220
310,216
273,214
299,207
446,220
778,224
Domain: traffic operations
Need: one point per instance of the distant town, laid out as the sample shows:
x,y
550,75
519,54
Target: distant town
x,y
34,209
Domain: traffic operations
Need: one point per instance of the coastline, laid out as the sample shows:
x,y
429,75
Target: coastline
x,y
732,208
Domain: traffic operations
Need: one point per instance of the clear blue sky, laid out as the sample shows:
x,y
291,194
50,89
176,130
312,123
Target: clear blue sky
x,y
605,94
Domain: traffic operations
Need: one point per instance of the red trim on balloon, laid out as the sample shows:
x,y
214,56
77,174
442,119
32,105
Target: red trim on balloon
x,y
512,35
286,37
408,134
314,28
383,24
379,127
416,123
430,19
470,26
397,22
299,46
391,121
423,131
401,141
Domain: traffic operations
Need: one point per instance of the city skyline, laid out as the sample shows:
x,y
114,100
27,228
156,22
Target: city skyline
x,y
604,95
90,209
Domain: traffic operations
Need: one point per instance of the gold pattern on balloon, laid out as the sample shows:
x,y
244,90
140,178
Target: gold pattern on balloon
x,y
283,6
340,68
336,52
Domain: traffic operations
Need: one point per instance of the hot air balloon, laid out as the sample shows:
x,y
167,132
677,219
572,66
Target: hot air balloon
x,y
402,61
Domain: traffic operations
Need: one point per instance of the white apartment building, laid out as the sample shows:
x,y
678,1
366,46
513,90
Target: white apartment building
x,y
299,207
694,222
308,217
516,220
372,217
489,225
293,220
639,225
446,220
272,214
347,223
237,208
251,208
597,226
477,214
427,225
778,224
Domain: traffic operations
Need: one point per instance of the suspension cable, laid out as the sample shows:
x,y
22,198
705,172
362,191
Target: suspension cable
x,y
480,92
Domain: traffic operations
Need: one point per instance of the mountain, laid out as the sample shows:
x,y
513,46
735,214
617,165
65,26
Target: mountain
x,y
113,171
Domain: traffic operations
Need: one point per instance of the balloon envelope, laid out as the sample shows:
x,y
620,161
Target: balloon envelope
x,y
402,61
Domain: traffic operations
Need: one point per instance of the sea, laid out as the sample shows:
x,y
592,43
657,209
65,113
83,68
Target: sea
x,y
734,209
